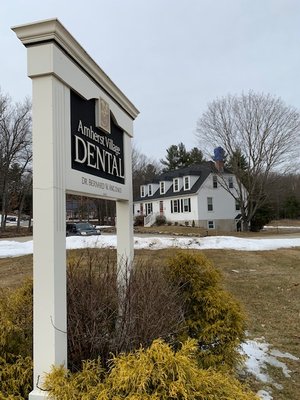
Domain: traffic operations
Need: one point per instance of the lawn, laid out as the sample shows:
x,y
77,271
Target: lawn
x,y
267,283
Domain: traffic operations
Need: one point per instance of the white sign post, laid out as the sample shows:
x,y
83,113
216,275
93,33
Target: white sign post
x,y
82,130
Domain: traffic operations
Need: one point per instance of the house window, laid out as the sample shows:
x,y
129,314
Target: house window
x,y
210,204
149,190
186,183
175,206
148,208
176,185
211,224
215,181
230,182
143,191
237,205
186,205
162,187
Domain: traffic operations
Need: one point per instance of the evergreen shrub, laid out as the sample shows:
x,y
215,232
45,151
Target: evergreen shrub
x,y
155,373
15,377
139,220
212,316
16,342
16,320
160,220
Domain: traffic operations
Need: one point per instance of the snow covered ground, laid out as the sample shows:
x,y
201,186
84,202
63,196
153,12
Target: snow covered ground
x,y
10,248
280,227
258,353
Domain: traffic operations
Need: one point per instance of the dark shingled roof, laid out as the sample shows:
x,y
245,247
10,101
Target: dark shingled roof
x,y
201,170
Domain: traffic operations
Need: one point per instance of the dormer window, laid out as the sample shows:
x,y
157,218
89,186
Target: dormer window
x,y
149,190
176,184
162,187
186,183
143,191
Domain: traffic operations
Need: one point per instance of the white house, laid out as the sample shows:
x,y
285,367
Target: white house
x,y
195,195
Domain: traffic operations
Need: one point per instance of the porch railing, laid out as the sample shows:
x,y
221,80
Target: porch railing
x,y
150,219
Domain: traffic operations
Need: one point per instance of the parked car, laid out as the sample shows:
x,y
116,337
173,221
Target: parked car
x,y
11,219
81,229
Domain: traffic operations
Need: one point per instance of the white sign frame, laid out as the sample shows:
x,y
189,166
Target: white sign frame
x,y
58,64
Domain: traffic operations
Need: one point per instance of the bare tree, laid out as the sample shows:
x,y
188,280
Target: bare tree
x,y
143,169
15,143
264,131
24,192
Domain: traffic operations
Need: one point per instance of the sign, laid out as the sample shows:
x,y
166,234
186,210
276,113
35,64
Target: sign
x,y
93,151
82,130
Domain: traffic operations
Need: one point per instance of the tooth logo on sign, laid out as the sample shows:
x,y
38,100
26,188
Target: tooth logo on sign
x,y
104,113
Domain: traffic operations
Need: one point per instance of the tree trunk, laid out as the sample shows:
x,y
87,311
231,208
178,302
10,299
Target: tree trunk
x,y
4,207
20,212
245,226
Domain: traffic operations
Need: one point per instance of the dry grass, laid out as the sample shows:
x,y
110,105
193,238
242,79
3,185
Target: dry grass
x,y
12,231
267,283
285,222
277,227
14,270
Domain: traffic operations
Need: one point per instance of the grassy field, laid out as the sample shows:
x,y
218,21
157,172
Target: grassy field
x,y
275,228
267,283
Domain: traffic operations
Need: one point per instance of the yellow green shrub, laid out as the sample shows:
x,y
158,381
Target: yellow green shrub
x,y
16,342
15,377
16,321
155,373
85,384
212,316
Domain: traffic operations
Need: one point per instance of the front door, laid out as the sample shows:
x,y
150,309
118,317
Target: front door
x,y
161,207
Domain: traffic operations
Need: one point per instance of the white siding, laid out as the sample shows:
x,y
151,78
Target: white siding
x,y
223,202
223,212
182,216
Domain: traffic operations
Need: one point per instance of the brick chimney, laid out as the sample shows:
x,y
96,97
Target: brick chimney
x,y
218,158
219,164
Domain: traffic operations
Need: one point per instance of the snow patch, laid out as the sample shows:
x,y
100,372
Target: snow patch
x,y
263,395
10,248
258,357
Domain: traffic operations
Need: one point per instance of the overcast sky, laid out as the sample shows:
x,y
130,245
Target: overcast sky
x,y
169,57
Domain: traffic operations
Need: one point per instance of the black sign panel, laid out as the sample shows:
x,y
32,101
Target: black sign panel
x,y
93,151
